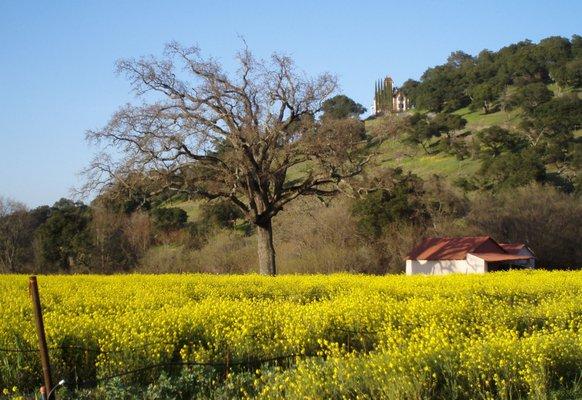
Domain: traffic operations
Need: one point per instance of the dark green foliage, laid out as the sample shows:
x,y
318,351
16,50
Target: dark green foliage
x,y
421,131
199,383
16,232
484,95
532,95
383,95
442,88
460,59
214,215
63,242
576,46
174,383
447,124
559,116
526,64
459,148
511,170
554,50
549,130
39,215
481,81
342,106
409,89
220,213
575,155
167,219
569,74
466,184
493,141
402,203
550,127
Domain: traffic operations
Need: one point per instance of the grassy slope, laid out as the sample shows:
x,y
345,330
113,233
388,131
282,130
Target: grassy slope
x,y
192,208
476,120
395,153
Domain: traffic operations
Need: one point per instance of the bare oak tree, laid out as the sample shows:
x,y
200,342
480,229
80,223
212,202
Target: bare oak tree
x,y
15,235
205,132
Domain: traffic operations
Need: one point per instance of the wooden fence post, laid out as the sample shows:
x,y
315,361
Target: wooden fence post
x,y
42,347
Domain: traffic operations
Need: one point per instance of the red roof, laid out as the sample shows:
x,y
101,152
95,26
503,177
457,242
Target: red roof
x,y
456,248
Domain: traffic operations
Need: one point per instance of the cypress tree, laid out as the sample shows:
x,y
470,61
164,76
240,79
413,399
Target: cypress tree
x,y
376,96
381,96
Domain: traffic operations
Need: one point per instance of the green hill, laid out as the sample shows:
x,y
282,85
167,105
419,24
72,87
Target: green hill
x,y
396,152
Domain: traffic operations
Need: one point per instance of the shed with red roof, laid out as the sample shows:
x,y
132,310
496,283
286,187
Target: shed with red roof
x,y
466,255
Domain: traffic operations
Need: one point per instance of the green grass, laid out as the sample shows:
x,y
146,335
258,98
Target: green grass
x,y
477,120
192,208
393,153
298,171
440,164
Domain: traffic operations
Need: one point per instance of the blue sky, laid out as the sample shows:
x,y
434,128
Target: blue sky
x,y
57,58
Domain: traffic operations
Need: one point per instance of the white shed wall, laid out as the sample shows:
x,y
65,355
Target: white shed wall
x,y
472,265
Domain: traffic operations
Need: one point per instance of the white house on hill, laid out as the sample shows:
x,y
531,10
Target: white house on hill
x,y
466,255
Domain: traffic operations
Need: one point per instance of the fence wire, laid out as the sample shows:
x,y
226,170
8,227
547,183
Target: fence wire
x,y
226,365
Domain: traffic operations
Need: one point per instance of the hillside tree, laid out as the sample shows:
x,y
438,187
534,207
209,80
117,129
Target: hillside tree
x,y
569,74
532,95
15,235
204,131
421,131
341,106
553,119
484,96
495,140
63,242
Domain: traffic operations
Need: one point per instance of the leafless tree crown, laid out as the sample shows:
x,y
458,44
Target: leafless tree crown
x,y
235,136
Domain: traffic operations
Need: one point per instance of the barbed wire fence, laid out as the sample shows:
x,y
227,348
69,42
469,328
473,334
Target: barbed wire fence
x,y
68,362
222,366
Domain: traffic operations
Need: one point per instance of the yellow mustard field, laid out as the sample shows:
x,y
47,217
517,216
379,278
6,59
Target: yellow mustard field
x,y
502,335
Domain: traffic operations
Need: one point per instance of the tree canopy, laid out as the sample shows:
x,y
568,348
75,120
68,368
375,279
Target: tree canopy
x,y
482,80
341,106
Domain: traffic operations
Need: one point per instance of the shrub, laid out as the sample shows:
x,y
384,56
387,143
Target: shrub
x,y
548,221
220,213
169,218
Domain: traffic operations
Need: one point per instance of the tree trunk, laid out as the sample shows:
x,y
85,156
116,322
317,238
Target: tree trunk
x,y
266,249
